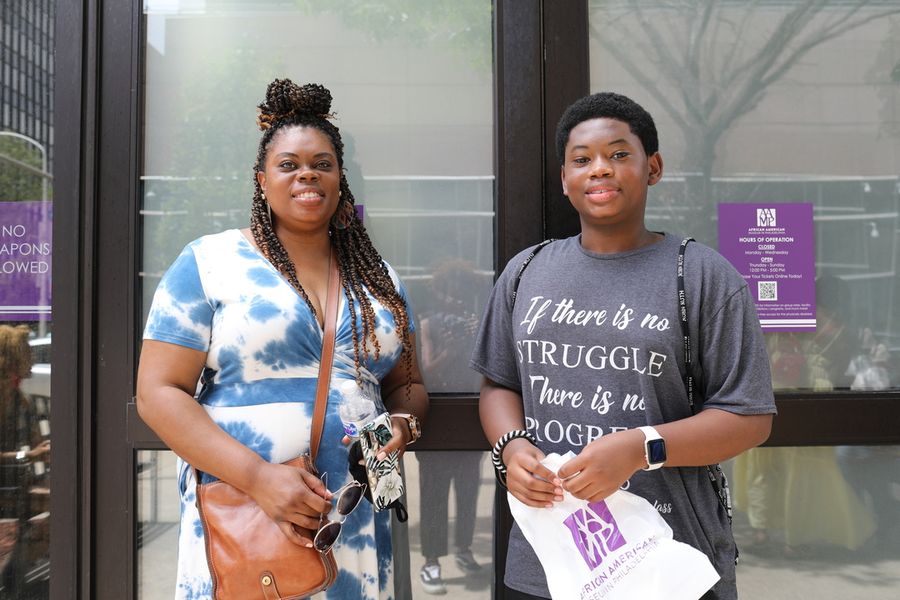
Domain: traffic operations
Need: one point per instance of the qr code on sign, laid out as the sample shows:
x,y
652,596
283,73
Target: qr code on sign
x,y
767,290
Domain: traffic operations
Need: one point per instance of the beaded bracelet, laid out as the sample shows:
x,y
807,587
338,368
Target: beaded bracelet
x,y
497,452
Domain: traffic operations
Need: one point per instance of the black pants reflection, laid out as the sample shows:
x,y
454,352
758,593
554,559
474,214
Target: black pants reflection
x,y
437,470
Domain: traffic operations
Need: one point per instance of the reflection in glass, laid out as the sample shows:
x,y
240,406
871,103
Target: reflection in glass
x,y
24,471
26,224
413,96
451,496
818,522
448,326
158,509
760,103
412,83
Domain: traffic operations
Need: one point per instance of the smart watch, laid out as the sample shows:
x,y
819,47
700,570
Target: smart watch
x,y
654,448
412,421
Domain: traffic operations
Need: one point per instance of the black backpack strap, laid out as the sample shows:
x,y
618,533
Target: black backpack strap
x,y
524,265
716,475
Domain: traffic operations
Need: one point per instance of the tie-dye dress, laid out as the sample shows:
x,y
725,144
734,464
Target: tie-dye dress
x,y
263,345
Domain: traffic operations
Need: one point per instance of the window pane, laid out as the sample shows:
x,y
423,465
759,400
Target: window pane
x,y
412,87
413,95
817,522
779,102
26,224
158,513
451,506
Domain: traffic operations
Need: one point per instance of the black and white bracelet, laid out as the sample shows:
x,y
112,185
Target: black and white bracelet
x,y
497,452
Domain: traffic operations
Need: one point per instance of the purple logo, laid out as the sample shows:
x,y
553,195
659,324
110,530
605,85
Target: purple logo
x,y
595,532
765,217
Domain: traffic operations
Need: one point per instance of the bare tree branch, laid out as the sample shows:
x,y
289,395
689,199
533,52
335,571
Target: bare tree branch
x,y
717,86
647,82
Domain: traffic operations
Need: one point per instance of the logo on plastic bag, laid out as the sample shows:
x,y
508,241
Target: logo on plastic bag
x,y
595,532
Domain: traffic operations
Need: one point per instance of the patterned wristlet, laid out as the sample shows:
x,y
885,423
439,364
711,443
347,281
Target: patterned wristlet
x,y
497,452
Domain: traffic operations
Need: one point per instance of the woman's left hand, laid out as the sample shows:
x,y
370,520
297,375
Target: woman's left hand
x,y
400,436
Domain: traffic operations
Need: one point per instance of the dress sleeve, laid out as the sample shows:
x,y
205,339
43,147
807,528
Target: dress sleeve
x,y
401,289
181,312
494,354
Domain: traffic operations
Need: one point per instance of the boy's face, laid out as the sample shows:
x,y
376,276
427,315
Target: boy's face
x,y
606,173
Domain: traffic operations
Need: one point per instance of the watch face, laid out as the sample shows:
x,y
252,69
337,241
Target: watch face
x,y
656,452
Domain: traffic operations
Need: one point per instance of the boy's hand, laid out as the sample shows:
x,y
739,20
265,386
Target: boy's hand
x,y
528,480
604,465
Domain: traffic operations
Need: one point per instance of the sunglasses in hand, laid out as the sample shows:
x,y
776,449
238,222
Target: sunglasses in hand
x,y
347,499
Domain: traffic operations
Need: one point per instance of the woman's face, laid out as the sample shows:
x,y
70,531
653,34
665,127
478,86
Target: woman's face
x,y
301,179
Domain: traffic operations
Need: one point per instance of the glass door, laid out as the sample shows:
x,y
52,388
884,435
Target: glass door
x,y
413,98
26,317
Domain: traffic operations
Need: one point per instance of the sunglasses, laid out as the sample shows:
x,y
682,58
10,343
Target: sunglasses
x,y
348,498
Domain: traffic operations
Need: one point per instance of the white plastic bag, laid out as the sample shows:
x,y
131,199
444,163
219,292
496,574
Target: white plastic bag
x,y
616,549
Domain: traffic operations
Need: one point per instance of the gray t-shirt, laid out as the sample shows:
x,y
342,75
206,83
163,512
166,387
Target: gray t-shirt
x,y
594,345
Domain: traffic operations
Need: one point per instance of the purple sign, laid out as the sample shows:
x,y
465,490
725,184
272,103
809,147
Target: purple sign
x,y
25,266
773,247
595,532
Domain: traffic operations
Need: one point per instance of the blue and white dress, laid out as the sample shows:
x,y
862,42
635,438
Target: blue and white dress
x,y
263,345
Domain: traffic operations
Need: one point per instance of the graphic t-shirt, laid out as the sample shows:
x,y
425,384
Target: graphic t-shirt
x,y
594,345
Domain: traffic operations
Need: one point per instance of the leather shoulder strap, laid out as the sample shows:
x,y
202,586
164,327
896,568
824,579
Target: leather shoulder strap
x,y
324,383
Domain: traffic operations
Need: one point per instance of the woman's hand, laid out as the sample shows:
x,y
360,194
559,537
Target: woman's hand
x,y
400,437
291,497
527,479
604,465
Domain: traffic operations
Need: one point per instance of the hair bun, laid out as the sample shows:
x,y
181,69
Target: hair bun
x,y
284,98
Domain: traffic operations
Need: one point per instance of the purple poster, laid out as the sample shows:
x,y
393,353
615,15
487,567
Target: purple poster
x,y
25,245
772,246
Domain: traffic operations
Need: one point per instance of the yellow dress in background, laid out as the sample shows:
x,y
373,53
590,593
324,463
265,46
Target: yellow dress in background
x,y
801,490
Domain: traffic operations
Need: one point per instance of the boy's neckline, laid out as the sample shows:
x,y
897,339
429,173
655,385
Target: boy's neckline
x,y
652,238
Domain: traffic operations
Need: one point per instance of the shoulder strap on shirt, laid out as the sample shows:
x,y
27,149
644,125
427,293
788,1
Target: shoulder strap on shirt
x,y
683,314
324,383
524,265
716,475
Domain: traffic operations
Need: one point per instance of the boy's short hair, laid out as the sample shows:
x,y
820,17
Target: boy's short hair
x,y
607,105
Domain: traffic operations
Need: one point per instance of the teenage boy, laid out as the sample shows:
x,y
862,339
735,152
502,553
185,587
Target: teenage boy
x,y
587,353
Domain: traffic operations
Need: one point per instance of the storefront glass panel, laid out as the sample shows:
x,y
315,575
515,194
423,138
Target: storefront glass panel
x,y
779,103
788,103
26,321
412,88
817,522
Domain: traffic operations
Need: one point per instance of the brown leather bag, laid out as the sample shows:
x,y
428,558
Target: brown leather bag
x,y
249,557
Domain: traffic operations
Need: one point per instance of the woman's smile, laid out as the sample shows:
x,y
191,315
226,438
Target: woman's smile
x,y
308,196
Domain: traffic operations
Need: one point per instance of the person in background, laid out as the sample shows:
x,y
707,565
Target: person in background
x,y
447,333
797,498
21,446
244,309
591,346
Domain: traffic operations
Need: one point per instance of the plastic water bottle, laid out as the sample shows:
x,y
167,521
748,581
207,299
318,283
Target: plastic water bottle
x,y
356,409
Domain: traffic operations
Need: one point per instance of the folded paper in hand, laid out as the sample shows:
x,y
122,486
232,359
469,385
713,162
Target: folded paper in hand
x,y
618,548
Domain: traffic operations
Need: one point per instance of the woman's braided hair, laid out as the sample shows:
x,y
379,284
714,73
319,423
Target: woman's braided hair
x,y
361,266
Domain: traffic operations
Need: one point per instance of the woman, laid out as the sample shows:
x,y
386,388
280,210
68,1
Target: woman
x,y
244,309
